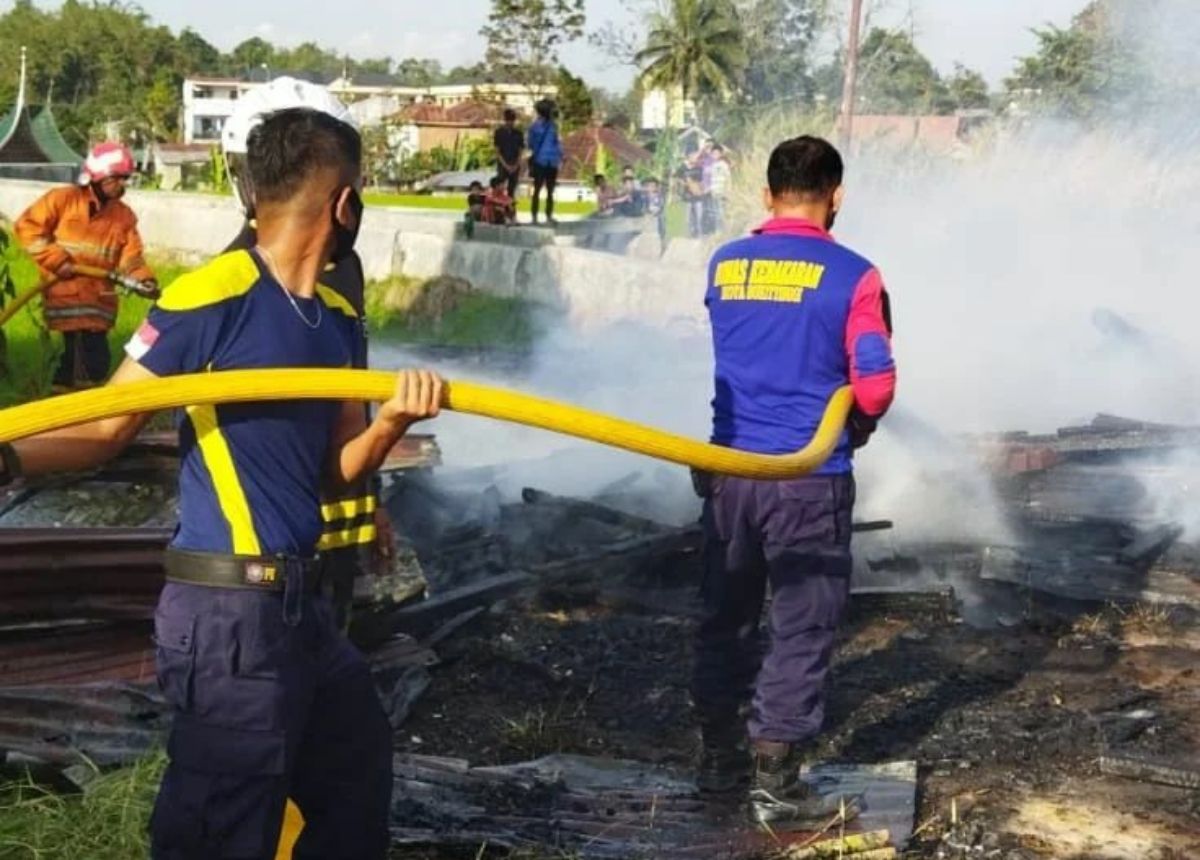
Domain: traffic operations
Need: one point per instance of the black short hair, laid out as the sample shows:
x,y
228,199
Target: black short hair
x,y
510,115
496,181
285,149
475,183
805,166
600,178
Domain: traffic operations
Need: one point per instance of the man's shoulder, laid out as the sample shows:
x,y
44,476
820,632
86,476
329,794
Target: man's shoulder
x,y
227,277
851,257
61,195
348,281
121,212
741,247
763,245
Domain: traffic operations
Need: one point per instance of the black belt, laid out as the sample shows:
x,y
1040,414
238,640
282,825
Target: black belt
x,y
216,570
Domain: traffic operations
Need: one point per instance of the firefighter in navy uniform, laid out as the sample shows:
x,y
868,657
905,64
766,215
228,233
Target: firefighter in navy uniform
x,y
795,316
358,532
270,699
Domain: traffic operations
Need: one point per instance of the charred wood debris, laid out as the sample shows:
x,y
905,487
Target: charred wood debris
x,y
80,568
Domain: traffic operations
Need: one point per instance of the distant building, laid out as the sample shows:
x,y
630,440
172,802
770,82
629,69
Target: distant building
x,y
939,134
209,101
181,165
662,108
31,146
424,127
582,152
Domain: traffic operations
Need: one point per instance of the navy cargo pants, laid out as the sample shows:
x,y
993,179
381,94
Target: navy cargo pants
x,y
795,537
270,701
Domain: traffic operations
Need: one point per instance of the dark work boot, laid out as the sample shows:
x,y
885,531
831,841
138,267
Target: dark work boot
x,y
779,799
724,760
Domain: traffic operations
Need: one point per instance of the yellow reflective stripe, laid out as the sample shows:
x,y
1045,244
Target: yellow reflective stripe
x,y
227,277
335,301
230,496
105,251
347,508
348,537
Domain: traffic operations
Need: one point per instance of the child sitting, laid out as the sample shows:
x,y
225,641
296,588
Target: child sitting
x,y
608,199
498,206
475,200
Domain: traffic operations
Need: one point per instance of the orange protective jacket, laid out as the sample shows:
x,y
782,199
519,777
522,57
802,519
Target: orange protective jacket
x,y
70,224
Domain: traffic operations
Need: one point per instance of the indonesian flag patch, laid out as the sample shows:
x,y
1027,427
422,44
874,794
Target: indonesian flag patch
x,y
144,338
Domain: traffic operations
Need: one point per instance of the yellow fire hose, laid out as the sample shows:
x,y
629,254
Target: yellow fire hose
x,y
321,384
292,384
26,297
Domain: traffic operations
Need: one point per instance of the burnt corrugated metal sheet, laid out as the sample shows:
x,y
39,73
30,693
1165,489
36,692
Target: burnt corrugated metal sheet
x,y
65,655
105,723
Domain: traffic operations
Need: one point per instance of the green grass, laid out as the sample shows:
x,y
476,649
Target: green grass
x,y
106,822
32,351
458,203
448,313
399,310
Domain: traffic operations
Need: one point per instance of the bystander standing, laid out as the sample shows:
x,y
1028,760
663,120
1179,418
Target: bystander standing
x,y
545,157
509,142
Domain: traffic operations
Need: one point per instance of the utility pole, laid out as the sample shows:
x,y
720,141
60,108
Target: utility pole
x,y
846,121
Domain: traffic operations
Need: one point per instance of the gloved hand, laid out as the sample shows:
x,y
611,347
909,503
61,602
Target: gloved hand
x,y
861,426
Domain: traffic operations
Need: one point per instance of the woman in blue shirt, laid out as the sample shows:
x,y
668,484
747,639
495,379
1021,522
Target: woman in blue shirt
x,y
545,157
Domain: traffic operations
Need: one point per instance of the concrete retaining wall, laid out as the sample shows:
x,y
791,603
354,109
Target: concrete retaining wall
x,y
592,288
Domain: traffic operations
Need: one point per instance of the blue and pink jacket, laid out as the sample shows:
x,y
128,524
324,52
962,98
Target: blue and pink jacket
x,y
795,316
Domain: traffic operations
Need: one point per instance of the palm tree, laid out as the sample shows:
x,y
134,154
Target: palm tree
x,y
697,46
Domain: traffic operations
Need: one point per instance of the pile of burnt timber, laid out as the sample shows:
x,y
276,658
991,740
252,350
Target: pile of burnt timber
x,y
1085,514
76,656
603,808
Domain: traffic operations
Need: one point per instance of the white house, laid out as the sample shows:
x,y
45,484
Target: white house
x,y
209,101
667,109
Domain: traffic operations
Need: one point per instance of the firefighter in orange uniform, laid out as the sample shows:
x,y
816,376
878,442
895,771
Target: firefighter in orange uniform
x,y
85,225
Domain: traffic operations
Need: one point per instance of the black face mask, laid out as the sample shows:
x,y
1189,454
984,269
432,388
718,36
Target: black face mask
x,y
345,237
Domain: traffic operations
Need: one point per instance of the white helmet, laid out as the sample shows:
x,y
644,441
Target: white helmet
x,y
279,94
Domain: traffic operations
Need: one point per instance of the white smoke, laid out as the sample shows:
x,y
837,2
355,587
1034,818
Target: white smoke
x,y
1044,276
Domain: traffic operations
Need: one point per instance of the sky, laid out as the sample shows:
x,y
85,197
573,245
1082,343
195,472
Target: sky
x,y
984,34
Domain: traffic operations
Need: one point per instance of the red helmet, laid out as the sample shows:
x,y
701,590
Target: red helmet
x,y
105,160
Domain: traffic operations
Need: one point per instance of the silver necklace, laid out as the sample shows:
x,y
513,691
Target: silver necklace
x,y
273,267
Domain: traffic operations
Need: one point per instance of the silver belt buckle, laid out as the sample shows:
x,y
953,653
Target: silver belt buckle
x,y
261,573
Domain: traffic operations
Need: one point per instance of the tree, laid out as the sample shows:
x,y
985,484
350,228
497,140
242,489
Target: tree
x,y
524,36
697,47
254,53
968,89
308,57
1078,70
780,37
379,154
160,107
895,77
619,110
196,55
419,73
575,106
475,74
374,66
